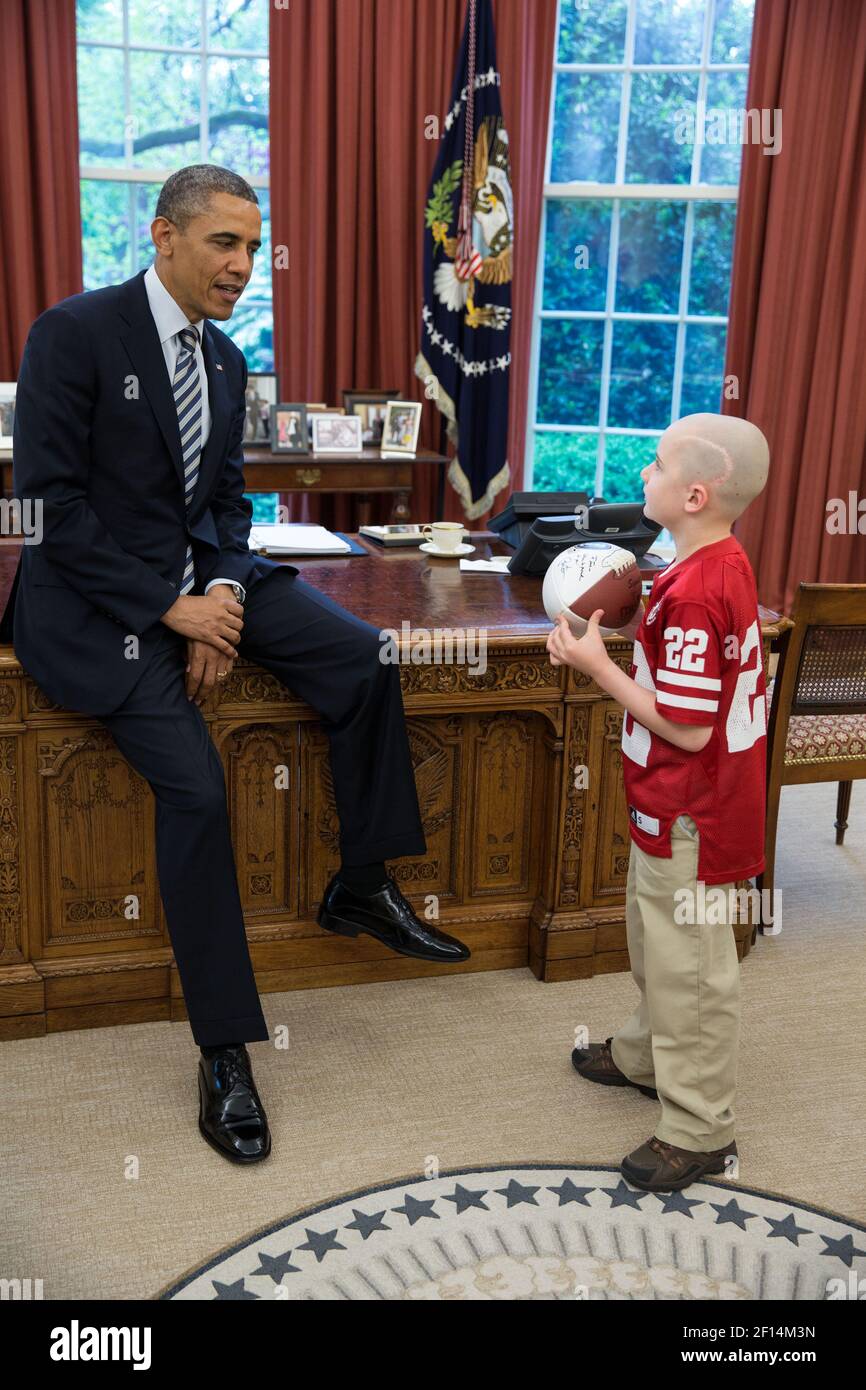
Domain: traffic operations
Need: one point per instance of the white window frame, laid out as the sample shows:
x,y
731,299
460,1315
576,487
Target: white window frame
x,y
689,194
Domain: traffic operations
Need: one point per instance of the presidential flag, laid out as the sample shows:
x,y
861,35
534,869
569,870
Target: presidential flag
x,y
464,360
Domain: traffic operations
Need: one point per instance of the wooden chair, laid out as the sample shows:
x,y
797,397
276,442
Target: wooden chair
x,y
817,702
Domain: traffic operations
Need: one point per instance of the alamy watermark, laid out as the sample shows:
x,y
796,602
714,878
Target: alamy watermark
x,y
20,520
422,646
729,125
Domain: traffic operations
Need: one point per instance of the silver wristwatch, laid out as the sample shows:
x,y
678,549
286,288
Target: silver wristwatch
x,y
238,592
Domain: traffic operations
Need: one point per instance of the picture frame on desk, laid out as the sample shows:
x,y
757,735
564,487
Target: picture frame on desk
x,y
262,392
371,405
319,408
289,430
337,433
7,415
402,424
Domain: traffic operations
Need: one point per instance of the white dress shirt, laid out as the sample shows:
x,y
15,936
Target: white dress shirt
x,y
170,319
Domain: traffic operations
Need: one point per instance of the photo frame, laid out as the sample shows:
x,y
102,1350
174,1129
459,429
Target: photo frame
x,y
319,408
371,406
336,433
7,414
262,392
402,424
289,430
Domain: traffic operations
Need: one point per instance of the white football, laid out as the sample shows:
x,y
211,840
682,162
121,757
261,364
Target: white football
x,y
594,575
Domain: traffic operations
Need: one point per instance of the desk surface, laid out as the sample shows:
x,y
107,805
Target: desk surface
x,y
420,588
433,592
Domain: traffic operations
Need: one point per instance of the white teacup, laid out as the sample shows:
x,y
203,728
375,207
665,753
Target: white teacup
x,y
445,535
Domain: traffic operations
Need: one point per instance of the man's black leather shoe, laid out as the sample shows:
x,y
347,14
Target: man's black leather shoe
x,y
231,1115
386,915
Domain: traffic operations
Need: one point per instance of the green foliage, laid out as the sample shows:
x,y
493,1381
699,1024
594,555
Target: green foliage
x,y
439,206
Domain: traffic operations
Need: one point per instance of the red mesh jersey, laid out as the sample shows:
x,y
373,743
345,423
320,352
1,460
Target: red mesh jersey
x,y
699,650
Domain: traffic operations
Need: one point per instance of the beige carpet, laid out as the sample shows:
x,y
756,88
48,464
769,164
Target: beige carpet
x,y
109,1191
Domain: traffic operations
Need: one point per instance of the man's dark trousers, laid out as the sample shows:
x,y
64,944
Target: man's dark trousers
x,y
330,659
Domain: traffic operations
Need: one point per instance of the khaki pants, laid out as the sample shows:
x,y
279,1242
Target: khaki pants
x,y
682,1038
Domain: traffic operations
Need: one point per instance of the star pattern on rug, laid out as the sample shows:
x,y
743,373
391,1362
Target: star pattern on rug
x,y
463,1198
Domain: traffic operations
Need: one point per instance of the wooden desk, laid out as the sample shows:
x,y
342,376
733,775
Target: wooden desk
x,y
527,869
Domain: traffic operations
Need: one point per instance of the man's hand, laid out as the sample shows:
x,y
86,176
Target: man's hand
x,y
204,666
215,618
587,653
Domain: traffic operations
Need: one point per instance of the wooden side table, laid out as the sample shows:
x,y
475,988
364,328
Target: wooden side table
x,y
361,474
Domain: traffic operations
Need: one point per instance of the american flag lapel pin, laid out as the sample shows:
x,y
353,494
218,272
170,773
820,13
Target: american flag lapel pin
x,y
219,366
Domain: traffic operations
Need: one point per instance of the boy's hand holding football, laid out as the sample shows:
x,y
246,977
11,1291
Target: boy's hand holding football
x,y
587,653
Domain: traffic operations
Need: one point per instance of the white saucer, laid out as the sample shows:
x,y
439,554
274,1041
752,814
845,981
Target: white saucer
x,y
430,549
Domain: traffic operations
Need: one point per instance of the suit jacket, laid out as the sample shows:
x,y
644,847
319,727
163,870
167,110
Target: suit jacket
x,y
96,441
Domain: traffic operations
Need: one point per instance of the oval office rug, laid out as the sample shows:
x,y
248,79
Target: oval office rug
x,y
540,1231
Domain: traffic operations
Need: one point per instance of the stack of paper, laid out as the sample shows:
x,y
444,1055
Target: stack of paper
x,y
296,538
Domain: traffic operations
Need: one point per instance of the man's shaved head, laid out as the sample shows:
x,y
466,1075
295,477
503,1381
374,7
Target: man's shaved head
x,y
728,455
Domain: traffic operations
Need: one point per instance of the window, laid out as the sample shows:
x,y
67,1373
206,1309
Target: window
x,y
637,234
161,85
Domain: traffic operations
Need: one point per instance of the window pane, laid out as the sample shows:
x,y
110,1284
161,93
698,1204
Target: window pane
x,y
650,257
165,104
592,33
569,372
100,106
669,31
264,507
165,22
585,123
575,253
657,151
732,36
251,328
703,368
146,195
712,248
238,24
260,286
99,19
624,457
238,87
104,232
565,462
723,150
641,377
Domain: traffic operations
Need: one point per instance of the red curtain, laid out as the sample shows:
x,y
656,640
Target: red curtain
x,y
352,84
40,222
797,334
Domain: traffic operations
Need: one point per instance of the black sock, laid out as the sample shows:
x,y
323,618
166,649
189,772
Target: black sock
x,y
363,877
216,1047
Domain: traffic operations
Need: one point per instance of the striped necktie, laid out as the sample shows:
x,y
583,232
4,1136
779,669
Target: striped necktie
x,y
187,399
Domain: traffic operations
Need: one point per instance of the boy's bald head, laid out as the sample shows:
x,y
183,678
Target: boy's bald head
x,y
728,455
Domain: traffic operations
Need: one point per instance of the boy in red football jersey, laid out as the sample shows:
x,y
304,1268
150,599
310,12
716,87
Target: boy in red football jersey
x,y
694,761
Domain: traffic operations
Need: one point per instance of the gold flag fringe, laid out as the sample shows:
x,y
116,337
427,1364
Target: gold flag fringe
x,y
456,477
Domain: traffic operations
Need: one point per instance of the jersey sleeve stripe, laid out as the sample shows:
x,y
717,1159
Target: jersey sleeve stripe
x,y
680,678
664,697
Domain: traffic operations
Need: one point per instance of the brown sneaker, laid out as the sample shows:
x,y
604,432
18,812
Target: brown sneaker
x,y
660,1167
596,1063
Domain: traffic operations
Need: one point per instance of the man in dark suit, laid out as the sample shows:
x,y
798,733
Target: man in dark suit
x,y
128,434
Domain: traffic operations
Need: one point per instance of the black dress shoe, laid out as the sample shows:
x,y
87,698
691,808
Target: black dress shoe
x,y
231,1115
385,914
